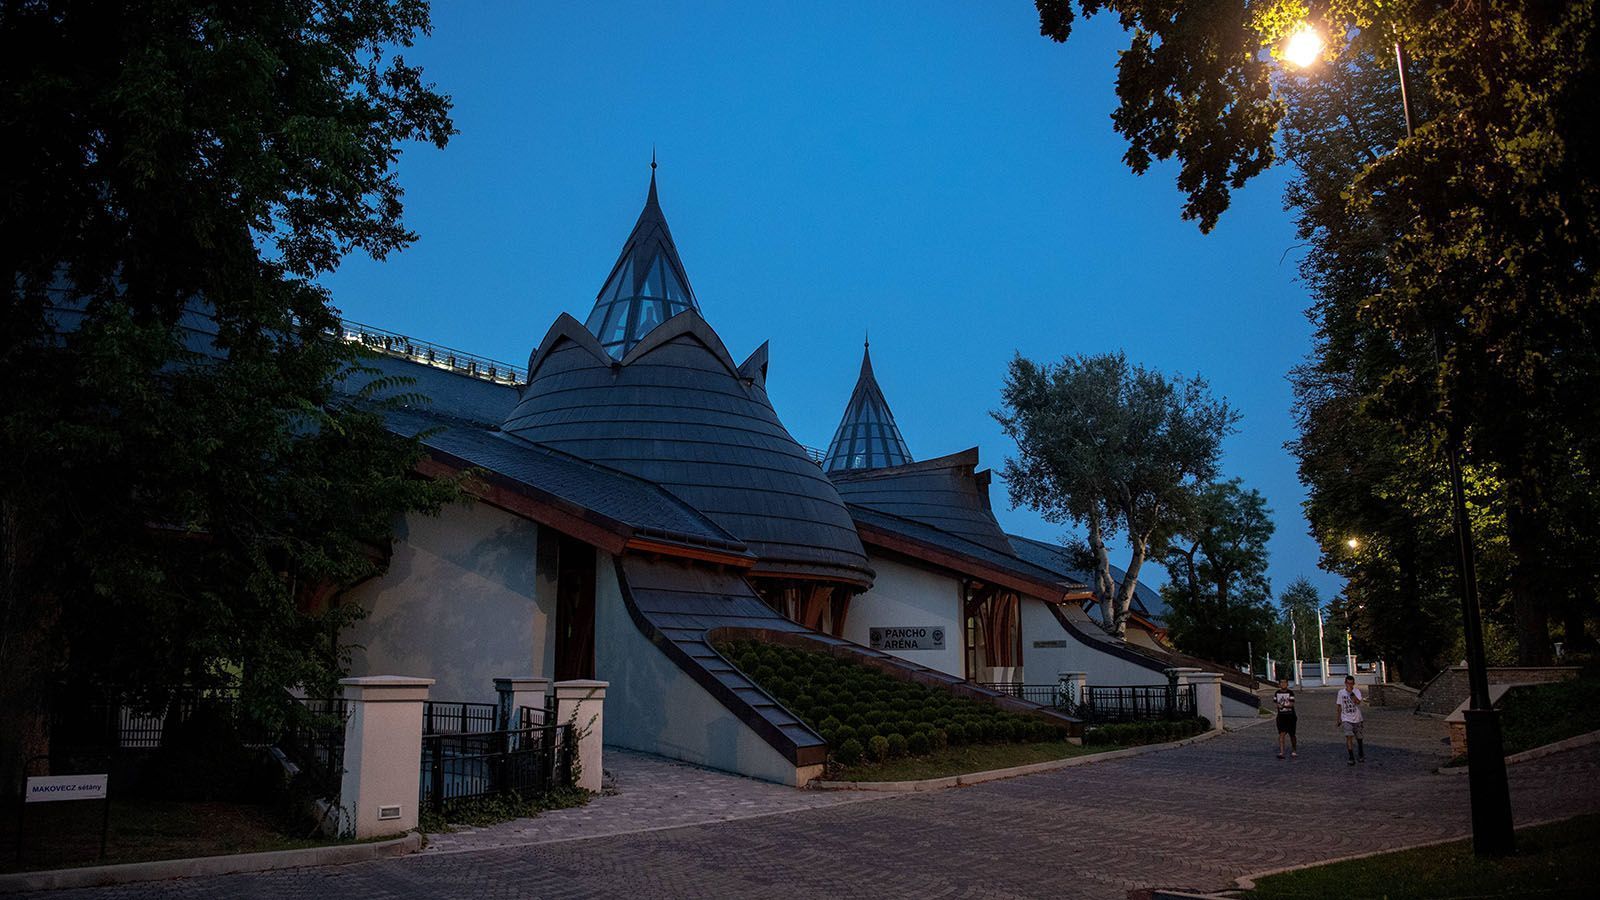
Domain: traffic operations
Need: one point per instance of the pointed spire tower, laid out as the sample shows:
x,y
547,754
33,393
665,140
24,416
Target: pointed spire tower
x,y
867,437
647,286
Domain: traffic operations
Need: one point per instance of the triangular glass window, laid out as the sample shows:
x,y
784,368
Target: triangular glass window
x,y
867,437
656,287
646,288
649,318
674,287
616,327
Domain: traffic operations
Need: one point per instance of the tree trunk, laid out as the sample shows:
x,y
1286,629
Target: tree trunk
x,y
1124,595
1525,535
25,622
1573,621
1104,586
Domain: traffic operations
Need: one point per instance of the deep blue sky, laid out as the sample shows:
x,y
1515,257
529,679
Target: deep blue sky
x,y
936,173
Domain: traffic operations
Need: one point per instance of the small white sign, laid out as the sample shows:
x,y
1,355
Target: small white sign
x,y
916,637
49,788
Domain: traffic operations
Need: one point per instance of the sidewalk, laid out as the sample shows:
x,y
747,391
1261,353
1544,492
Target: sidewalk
x,y
652,794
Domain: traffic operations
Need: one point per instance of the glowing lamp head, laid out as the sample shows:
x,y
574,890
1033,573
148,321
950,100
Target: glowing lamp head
x,y
1353,544
1304,47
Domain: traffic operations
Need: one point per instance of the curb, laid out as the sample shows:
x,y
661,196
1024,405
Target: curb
x,y
1571,743
203,866
1248,882
950,781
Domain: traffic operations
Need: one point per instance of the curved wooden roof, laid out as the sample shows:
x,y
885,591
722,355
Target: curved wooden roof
x,y
677,411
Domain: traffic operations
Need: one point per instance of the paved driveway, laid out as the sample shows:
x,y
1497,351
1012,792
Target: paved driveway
x,y
1194,817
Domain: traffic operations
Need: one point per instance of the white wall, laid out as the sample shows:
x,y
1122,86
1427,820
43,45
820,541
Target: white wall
x,y
1102,668
461,603
655,707
1043,664
905,595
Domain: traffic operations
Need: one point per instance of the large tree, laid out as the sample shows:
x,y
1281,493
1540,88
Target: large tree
x,y
183,481
1218,592
1300,604
1482,231
1114,447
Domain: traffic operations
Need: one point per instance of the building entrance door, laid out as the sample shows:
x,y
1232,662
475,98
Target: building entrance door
x,y
575,573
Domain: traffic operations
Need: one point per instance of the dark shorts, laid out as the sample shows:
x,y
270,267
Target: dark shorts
x,y
1286,722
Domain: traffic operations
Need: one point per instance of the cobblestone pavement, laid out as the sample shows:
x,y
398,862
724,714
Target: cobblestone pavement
x,y
1194,817
652,793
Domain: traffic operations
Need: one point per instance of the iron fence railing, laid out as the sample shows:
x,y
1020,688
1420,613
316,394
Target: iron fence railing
x,y
314,741
450,717
1106,704
432,354
1137,703
116,725
523,761
1042,694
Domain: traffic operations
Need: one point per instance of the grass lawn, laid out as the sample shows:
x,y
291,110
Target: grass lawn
x,y
1552,861
63,835
1534,716
961,760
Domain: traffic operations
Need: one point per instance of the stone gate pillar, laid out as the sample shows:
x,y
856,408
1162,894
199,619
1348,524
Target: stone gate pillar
x,y
581,704
380,792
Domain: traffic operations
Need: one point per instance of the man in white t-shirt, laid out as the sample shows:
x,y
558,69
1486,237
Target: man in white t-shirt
x,y
1350,720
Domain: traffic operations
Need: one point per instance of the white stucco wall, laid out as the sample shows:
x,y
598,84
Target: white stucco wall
x,y
655,707
904,595
1045,663
461,603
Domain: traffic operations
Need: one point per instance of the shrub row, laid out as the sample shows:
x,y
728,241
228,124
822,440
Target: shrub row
x,y
864,714
1130,733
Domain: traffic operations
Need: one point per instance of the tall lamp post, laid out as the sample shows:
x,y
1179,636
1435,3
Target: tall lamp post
x,y
1492,833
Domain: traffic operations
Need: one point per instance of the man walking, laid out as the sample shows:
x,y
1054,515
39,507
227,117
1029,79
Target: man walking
x,y
1351,720
1284,701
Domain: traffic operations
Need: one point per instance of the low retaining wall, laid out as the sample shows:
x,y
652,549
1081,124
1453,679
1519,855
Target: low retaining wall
x,y
1392,694
1449,688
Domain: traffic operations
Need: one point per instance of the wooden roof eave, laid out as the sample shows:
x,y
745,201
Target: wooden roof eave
x,y
591,527
962,564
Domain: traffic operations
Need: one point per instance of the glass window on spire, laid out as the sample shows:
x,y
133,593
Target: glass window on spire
x,y
647,286
868,437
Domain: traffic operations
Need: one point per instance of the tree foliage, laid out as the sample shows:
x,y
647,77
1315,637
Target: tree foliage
x,y
1454,272
185,483
1219,594
1112,446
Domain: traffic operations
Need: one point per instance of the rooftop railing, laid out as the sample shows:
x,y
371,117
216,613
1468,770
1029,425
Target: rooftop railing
x,y
431,354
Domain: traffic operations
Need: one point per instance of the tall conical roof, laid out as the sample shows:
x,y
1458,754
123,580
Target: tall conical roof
x,y
867,437
646,287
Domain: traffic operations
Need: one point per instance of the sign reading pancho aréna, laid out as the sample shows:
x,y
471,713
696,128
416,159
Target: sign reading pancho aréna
x,y
914,637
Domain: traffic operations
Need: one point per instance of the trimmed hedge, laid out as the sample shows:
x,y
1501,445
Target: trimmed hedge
x,y
883,717
1131,733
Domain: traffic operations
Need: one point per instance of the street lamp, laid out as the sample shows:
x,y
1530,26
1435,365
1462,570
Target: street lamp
x,y
1353,543
1492,832
1304,47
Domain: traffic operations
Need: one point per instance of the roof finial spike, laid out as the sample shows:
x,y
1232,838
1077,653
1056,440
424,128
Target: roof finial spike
x,y
866,338
652,197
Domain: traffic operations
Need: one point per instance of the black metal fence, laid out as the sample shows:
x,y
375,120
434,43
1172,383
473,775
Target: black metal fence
x,y
314,741
1106,704
469,765
114,725
1042,694
449,717
1137,703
